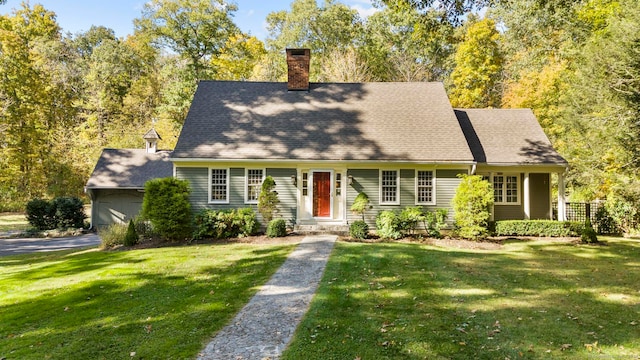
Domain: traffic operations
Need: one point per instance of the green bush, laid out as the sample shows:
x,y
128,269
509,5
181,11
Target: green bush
x,y
588,235
359,230
277,228
268,200
547,228
410,217
472,206
131,237
112,235
360,204
389,225
69,212
61,213
223,224
41,214
434,221
166,205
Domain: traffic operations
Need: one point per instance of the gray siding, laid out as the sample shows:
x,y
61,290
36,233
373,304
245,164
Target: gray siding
x,y
115,206
286,192
368,181
199,181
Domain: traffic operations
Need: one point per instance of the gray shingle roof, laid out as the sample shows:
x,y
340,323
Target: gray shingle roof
x,y
129,168
364,121
507,136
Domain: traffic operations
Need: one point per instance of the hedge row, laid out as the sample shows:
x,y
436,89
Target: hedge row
x,y
542,228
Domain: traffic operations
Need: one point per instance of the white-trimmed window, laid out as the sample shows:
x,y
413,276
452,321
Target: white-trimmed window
x,y
253,185
425,187
218,186
389,187
506,189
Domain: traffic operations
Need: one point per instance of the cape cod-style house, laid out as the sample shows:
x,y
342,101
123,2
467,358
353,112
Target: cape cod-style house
x,y
401,143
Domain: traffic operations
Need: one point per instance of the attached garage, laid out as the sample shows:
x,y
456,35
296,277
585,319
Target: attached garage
x,y
116,186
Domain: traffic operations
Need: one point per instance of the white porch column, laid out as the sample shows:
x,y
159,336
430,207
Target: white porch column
x,y
493,206
561,200
527,198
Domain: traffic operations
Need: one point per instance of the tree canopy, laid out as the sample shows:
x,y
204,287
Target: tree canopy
x,y
64,97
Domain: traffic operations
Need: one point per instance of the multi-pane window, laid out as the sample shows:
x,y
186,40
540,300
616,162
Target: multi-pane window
x,y
389,187
424,187
254,183
505,189
498,189
219,191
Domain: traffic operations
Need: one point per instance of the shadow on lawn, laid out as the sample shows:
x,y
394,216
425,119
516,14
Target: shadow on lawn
x,y
412,302
153,308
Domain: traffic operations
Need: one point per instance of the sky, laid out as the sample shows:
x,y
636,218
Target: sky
x,y
76,16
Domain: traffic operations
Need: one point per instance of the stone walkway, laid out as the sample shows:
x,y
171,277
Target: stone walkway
x,y
264,327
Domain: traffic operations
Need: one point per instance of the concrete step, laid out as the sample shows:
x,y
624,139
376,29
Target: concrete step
x,y
342,230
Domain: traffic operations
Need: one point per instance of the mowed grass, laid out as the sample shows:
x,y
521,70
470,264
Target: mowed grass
x,y
12,221
161,303
528,300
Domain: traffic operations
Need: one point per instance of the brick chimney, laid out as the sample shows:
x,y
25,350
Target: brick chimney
x,y
298,68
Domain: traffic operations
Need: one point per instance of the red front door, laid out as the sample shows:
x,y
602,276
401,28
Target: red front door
x,y
322,194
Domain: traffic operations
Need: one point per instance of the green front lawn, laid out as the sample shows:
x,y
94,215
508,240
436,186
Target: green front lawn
x,y
155,304
528,300
12,221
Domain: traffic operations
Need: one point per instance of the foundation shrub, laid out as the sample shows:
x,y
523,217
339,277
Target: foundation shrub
x,y
277,228
359,230
223,224
546,228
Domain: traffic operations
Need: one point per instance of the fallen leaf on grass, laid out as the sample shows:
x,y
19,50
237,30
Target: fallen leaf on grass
x,y
147,328
564,347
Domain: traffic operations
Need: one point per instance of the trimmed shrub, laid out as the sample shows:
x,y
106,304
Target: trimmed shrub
x,y
112,235
588,235
69,212
268,200
166,205
360,204
546,228
223,224
388,225
472,206
277,228
131,237
41,214
359,230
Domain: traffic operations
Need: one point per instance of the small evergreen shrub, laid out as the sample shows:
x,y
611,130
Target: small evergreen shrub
x,y
388,225
472,206
359,230
131,237
588,235
112,235
223,224
268,200
360,204
543,228
69,212
277,228
41,214
166,205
